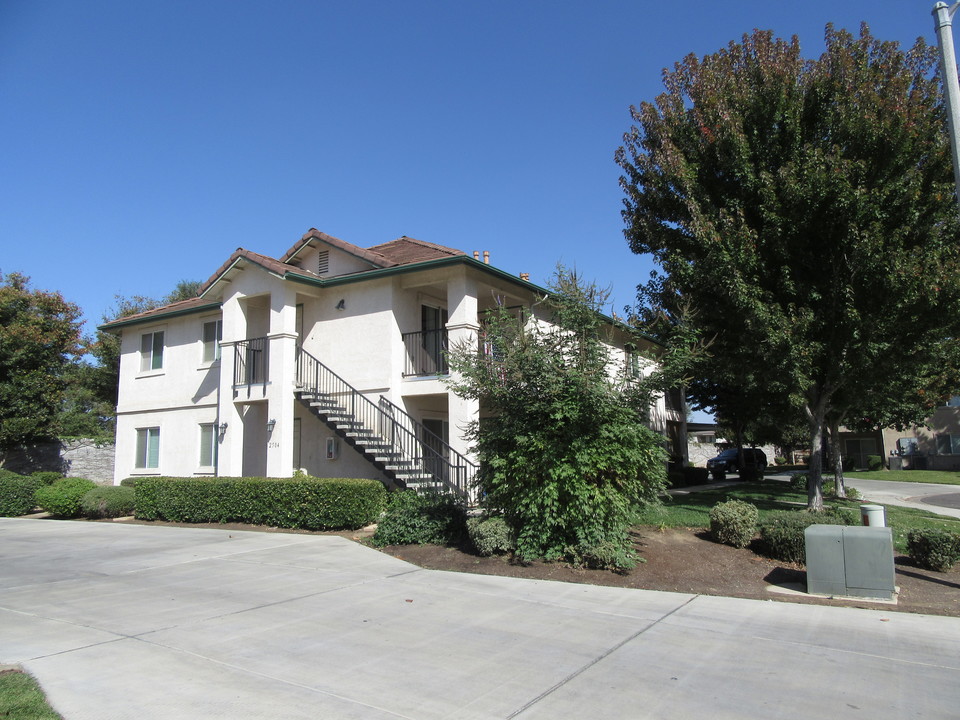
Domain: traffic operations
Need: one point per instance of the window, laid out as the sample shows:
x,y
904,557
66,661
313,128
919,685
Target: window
x,y
151,351
212,331
948,444
148,448
634,367
208,445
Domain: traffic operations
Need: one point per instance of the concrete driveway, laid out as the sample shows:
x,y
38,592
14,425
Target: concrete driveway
x,y
126,621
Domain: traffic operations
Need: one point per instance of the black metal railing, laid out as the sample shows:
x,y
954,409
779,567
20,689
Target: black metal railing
x,y
425,353
251,361
415,447
448,467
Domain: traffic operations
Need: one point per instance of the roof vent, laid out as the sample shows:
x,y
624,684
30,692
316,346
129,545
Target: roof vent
x,y
323,262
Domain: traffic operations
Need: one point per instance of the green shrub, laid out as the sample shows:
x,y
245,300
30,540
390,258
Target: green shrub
x,y
62,499
874,462
781,534
410,518
734,522
128,482
934,549
490,535
302,502
848,464
16,494
46,477
779,460
830,490
604,555
107,501
798,482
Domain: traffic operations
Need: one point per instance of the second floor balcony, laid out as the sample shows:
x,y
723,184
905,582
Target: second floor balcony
x,y
425,353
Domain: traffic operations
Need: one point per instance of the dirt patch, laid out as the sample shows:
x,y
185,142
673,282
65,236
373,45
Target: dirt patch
x,y
677,560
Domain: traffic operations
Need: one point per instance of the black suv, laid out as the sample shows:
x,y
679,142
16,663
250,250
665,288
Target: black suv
x,y
729,461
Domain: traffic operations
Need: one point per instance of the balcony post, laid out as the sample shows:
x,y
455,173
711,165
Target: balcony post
x,y
463,329
282,368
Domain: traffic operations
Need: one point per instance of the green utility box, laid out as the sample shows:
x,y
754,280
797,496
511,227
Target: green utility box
x,y
850,561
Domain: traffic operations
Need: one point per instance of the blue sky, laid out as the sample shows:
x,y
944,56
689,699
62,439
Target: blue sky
x,y
142,142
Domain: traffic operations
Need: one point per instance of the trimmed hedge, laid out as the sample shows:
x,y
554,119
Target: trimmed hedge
x,y
301,502
490,535
107,501
932,549
734,522
16,494
874,463
62,499
412,519
781,535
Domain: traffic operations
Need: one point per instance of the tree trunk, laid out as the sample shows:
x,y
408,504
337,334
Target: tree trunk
x,y
815,416
837,456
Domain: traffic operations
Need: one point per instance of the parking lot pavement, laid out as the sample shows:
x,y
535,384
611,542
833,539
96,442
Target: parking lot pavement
x,y
128,621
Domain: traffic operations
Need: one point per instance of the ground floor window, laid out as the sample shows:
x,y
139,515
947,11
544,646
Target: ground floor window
x,y
948,444
208,445
148,448
859,449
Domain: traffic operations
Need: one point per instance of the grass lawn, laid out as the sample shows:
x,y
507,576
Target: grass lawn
x,y
22,698
693,510
942,477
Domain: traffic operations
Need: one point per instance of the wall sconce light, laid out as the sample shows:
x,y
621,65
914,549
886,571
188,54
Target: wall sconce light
x,y
271,424
222,428
342,304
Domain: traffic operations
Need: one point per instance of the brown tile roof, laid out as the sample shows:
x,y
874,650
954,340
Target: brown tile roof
x,y
403,251
406,250
178,307
374,258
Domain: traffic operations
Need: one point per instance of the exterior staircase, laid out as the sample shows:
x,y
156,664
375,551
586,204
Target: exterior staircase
x,y
409,454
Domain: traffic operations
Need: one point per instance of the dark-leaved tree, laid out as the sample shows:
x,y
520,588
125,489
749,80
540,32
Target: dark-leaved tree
x,y
805,210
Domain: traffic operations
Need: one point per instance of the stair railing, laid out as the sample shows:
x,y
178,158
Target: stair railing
x,y
443,462
448,469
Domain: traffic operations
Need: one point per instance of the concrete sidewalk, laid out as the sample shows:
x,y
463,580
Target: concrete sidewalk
x,y
127,621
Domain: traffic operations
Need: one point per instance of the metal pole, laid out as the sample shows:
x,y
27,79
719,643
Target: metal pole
x,y
943,23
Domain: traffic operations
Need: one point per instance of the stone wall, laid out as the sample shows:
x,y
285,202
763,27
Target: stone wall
x,y
74,458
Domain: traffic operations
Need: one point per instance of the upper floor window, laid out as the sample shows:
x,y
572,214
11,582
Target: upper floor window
x,y
212,332
634,367
148,448
151,351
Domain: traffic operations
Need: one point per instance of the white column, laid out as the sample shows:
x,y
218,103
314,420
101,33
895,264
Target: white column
x,y
943,24
230,448
283,375
463,330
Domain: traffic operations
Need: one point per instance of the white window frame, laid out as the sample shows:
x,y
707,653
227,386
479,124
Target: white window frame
x,y
208,446
211,347
151,351
147,455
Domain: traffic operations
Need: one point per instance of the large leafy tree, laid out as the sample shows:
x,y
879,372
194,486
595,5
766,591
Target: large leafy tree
x,y
805,210
39,341
564,452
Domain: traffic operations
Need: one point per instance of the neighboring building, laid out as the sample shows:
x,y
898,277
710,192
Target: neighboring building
x,y
330,359
935,445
